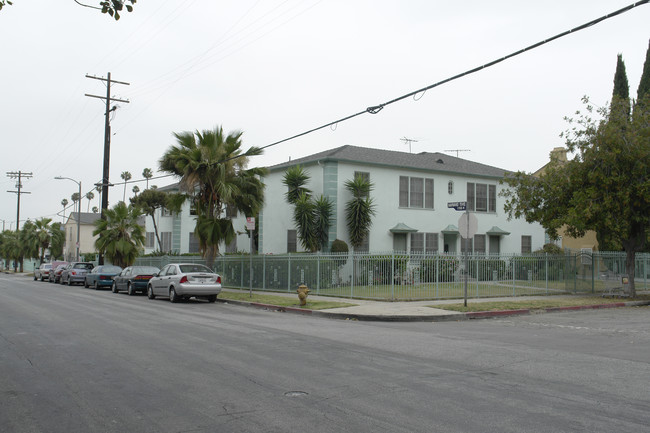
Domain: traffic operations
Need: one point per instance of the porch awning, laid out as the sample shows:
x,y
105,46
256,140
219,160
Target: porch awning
x,y
450,230
496,231
402,228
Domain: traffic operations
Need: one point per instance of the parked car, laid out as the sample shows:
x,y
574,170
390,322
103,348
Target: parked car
x,y
55,275
101,276
182,281
133,279
75,273
42,271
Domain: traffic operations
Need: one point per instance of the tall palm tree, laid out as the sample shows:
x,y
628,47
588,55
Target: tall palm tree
x,y
126,176
28,238
213,175
89,197
43,235
147,173
359,210
64,203
149,201
120,237
136,190
57,239
76,198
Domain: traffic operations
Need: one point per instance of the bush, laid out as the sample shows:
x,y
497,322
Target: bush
x,y
441,269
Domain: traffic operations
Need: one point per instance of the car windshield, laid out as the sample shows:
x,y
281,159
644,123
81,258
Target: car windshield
x,y
145,270
88,266
111,269
194,268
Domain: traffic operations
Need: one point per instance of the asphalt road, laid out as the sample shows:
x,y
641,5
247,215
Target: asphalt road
x,y
77,360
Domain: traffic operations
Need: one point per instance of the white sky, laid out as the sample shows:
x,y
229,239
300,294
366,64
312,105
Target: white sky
x,y
276,68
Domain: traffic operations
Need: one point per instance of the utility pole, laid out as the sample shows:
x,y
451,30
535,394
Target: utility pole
x,y
408,141
107,140
19,185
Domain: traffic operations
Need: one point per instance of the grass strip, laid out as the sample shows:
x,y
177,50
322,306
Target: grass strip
x,y
282,301
536,304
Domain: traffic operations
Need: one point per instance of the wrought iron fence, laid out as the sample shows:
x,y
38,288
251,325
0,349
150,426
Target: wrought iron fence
x,y
404,276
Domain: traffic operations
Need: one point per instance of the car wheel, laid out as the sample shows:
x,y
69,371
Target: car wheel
x,y
96,286
129,289
173,296
86,285
35,277
114,287
69,282
150,294
211,298
42,278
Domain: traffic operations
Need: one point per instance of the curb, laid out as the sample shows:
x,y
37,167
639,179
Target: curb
x,y
453,316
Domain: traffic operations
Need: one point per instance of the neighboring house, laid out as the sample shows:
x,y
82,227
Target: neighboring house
x,y
411,193
87,243
176,230
587,242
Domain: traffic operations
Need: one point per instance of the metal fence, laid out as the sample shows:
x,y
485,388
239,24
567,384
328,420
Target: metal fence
x,y
396,276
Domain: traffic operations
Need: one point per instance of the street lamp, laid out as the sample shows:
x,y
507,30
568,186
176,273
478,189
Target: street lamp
x,y
78,209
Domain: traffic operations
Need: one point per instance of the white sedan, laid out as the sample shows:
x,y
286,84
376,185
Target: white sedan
x,y
184,280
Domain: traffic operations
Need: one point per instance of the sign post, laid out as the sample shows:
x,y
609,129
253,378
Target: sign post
x,y
250,226
467,226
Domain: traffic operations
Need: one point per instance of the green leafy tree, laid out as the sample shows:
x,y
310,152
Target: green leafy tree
x,y
11,248
359,210
43,235
149,201
147,173
213,176
57,240
126,176
120,237
295,178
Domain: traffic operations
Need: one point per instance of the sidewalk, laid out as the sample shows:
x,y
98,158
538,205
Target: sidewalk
x,y
413,311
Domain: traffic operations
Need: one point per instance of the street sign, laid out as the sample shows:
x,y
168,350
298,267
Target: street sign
x,y
467,225
458,205
250,223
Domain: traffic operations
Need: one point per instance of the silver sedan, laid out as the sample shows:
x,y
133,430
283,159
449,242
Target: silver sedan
x,y
185,280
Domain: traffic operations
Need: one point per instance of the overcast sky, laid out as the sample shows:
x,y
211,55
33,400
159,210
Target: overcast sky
x,y
276,68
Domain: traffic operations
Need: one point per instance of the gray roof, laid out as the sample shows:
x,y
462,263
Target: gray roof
x,y
437,162
91,217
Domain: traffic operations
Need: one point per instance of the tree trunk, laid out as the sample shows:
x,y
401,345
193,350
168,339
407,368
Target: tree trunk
x,y
155,229
630,269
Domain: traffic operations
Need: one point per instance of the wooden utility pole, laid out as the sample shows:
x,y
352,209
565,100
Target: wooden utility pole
x,y
19,185
107,140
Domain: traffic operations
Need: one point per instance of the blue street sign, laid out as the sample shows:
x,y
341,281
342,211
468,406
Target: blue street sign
x,y
458,205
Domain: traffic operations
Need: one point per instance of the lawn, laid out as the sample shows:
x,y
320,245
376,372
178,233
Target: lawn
x,y
281,301
537,304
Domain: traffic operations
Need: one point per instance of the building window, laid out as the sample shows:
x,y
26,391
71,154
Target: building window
x,y
495,247
194,244
231,248
166,240
466,244
292,237
431,242
481,197
450,187
150,239
192,210
417,243
479,244
415,192
526,244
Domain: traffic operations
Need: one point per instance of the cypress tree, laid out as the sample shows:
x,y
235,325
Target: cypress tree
x,y
644,84
621,87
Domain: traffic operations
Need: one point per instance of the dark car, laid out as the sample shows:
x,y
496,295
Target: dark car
x,y
101,276
55,274
134,279
75,273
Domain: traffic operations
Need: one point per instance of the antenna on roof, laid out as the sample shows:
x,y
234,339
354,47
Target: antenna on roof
x,y
409,141
457,151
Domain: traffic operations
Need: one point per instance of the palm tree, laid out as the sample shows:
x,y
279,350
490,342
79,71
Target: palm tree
x,y
11,247
136,190
95,209
149,201
43,235
360,210
147,173
29,245
57,239
98,188
75,198
89,196
127,177
64,203
213,175
295,179
120,237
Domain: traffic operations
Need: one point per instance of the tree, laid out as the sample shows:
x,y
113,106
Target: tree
x,y
120,237
95,209
148,202
57,239
89,197
29,245
147,173
213,176
64,203
136,190
76,198
126,176
359,210
11,247
110,7
43,235
312,217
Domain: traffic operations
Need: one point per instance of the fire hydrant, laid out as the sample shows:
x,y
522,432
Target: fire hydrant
x,y
302,294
